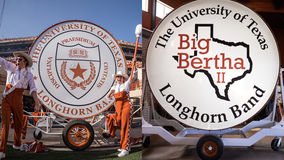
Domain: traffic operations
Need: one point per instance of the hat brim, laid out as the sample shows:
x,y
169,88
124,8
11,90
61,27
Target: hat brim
x,y
125,76
26,56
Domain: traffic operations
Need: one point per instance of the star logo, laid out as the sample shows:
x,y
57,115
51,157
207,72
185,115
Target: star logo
x,y
78,71
76,66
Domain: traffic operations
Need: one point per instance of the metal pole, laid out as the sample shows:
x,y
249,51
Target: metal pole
x,y
153,14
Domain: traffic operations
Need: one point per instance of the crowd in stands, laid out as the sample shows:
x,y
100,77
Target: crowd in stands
x,y
2,79
136,85
130,53
129,64
17,39
128,43
14,49
10,59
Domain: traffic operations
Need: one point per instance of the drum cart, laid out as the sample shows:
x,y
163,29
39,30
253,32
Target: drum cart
x,y
211,144
77,134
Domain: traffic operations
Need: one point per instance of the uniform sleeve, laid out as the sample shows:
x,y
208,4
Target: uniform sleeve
x,y
134,75
31,83
112,88
128,83
8,66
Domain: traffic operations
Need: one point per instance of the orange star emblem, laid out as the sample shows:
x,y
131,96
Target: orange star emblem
x,y
78,71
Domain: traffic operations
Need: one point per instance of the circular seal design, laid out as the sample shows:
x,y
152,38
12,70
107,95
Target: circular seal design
x,y
72,66
212,64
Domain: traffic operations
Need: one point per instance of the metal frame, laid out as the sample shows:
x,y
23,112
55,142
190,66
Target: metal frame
x,y
100,122
48,127
49,121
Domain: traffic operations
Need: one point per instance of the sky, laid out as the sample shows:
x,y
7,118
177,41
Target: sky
x,y
29,18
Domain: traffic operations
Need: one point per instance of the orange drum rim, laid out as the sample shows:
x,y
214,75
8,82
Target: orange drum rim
x,y
78,135
210,148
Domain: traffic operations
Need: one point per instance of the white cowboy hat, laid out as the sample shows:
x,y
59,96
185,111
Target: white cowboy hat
x,y
119,73
26,56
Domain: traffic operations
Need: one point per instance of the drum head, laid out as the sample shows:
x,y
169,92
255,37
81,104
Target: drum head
x,y
73,63
212,64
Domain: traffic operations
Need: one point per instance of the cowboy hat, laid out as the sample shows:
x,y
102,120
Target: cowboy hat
x,y
26,56
119,73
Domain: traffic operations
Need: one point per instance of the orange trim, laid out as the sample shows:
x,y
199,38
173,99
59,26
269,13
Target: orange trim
x,y
78,135
210,148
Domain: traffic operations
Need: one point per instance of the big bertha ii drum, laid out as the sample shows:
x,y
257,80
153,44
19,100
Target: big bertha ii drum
x,y
212,64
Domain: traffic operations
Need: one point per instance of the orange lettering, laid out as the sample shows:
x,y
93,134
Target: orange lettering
x,y
35,55
98,106
63,28
38,48
81,111
45,98
64,109
51,102
70,26
185,59
56,107
90,110
39,94
104,104
72,111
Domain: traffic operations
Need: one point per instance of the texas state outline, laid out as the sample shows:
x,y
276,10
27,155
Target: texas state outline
x,y
217,91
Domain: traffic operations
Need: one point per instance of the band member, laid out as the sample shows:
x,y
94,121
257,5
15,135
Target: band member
x,y
124,110
18,79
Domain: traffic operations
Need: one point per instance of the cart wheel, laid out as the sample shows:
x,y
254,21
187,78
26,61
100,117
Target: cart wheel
x,y
78,135
274,143
146,141
38,136
210,147
106,135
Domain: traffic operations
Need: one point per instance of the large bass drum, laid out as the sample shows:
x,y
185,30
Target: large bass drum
x,y
212,64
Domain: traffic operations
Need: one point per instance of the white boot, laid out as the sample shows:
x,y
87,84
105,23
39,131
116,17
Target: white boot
x,y
19,147
2,155
16,147
119,150
123,153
